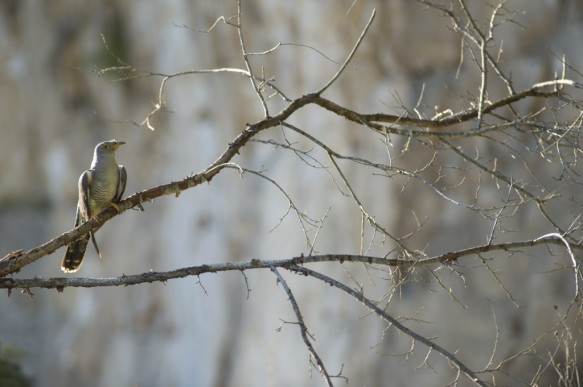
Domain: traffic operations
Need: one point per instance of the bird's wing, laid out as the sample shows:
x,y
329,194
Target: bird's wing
x,y
78,217
84,212
121,184
83,204
76,249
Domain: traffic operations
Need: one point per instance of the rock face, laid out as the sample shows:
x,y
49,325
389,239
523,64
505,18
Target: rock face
x,y
220,330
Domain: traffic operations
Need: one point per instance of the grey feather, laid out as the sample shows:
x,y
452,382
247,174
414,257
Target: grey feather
x,y
99,187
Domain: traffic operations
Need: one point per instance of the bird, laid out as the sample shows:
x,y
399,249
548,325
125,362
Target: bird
x,y
100,187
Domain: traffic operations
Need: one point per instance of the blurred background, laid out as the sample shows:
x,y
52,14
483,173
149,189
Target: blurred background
x,y
222,329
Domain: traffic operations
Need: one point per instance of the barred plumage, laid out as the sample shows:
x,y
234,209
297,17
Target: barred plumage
x,y
99,187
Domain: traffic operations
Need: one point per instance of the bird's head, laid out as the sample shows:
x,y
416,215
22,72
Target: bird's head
x,y
108,146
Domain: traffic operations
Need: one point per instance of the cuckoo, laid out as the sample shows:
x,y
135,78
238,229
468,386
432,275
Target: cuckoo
x,y
100,187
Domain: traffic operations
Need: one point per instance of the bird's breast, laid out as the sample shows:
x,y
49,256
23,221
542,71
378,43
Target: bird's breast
x,y
102,192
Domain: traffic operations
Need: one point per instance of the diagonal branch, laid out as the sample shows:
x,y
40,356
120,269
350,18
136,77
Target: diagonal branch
x,y
349,58
392,321
303,328
247,63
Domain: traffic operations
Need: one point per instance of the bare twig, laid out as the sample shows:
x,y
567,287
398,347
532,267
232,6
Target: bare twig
x,y
392,321
246,60
303,328
370,219
574,264
349,58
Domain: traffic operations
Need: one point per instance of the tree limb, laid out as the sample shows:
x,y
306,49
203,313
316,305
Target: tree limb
x,y
151,276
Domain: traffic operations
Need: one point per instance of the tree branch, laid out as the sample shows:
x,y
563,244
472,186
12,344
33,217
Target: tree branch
x,y
303,328
151,276
392,321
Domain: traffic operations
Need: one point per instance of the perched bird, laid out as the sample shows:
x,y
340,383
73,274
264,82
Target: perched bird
x,y
99,187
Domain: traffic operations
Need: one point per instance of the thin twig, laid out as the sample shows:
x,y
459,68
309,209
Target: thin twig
x,y
574,264
246,60
343,67
392,321
303,328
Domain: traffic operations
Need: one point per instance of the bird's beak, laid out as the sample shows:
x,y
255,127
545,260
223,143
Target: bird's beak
x,y
119,143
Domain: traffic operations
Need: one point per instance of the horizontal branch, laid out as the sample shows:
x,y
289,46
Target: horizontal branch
x,y
151,276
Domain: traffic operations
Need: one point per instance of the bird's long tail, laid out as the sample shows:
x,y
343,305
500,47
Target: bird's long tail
x,y
74,256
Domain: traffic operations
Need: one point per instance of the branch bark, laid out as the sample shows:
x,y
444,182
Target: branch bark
x,y
148,277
